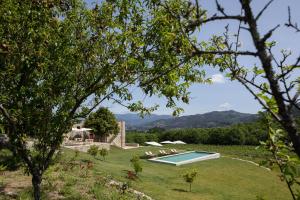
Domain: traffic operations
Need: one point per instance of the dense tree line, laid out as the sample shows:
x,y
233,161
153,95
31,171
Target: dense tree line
x,y
240,134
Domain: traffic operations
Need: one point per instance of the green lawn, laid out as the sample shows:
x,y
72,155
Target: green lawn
x,y
222,178
218,179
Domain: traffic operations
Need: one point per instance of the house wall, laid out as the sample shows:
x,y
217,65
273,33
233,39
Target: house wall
x,y
123,133
116,140
119,139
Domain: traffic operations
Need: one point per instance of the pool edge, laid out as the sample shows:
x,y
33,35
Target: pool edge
x,y
213,155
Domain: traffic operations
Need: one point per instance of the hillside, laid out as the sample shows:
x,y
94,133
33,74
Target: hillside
x,y
133,121
206,120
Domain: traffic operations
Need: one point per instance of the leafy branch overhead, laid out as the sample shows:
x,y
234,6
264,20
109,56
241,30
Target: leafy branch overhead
x,y
270,80
283,157
60,60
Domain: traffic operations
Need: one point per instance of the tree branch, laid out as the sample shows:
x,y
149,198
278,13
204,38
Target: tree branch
x,y
290,24
259,100
269,34
20,146
198,22
7,116
286,120
263,10
220,8
221,52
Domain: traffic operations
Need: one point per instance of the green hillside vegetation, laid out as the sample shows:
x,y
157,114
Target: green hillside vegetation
x,y
239,134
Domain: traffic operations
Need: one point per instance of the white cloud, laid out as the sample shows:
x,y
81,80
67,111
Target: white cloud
x,y
217,78
225,106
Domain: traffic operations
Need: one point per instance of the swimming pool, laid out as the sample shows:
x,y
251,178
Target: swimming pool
x,y
186,157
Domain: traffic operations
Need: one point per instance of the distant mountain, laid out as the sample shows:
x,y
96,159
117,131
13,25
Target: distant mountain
x,y
206,120
134,121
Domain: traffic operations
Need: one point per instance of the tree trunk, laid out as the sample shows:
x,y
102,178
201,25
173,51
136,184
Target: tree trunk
x,y
287,120
36,183
190,187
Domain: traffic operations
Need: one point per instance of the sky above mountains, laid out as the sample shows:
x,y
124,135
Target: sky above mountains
x,y
224,94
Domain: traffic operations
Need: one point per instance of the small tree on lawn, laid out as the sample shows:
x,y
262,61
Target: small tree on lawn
x,y
103,152
189,177
93,150
136,164
103,122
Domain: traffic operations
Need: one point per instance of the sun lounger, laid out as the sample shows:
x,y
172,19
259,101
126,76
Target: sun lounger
x,y
149,154
164,152
161,152
173,151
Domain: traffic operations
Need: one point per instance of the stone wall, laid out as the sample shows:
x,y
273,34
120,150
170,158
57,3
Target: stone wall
x,y
119,140
85,147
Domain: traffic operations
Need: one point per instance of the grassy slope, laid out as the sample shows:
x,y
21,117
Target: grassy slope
x,y
222,178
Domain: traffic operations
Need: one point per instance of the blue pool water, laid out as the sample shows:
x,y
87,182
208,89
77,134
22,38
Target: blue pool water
x,y
184,157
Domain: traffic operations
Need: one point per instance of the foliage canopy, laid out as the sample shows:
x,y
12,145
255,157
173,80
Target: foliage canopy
x,y
59,60
103,122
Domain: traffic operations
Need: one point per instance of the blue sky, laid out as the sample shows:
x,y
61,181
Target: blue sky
x,y
225,94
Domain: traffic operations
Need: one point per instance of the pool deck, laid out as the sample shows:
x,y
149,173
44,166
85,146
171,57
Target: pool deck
x,y
212,155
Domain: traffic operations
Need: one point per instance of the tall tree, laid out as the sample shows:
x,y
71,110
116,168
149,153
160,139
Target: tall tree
x,y
59,60
272,82
103,122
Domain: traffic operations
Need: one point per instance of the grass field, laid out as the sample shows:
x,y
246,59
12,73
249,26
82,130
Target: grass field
x,y
218,179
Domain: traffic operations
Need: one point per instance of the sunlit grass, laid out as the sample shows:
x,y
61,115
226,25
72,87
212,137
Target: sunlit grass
x,y
217,179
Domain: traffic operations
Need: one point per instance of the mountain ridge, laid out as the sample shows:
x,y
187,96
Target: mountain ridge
x,y
134,120
205,120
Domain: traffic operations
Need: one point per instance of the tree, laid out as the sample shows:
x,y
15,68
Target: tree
x,y
271,82
272,79
59,60
189,177
103,122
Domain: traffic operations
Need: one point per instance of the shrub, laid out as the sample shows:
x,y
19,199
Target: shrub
x,y
76,153
136,164
103,153
93,150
